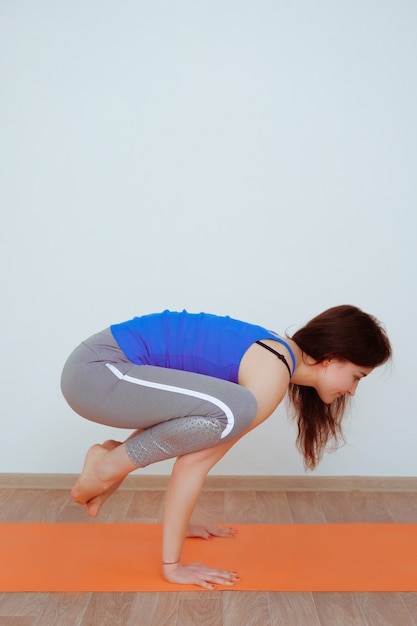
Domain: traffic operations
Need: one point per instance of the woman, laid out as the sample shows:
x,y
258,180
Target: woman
x,y
192,385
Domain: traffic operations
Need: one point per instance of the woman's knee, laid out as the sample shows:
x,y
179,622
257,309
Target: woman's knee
x,y
243,412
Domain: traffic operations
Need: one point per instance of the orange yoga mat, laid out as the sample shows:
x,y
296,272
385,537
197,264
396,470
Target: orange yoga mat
x,y
126,557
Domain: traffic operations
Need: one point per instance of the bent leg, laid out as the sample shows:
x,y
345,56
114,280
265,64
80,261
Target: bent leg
x,y
120,394
189,412
179,412
174,438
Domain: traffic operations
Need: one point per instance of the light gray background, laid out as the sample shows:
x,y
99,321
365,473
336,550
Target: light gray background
x,y
256,159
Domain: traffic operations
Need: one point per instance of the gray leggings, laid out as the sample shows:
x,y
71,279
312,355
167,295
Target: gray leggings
x,y
179,412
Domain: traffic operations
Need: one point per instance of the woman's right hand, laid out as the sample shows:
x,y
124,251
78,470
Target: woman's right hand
x,y
198,574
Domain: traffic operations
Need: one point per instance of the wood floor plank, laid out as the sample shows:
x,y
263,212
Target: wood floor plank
x,y
369,507
4,496
297,609
272,507
240,507
246,608
410,601
115,509
33,505
385,609
146,507
23,604
64,608
337,507
305,508
108,609
47,506
339,609
209,508
204,612
204,594
402,506
16,621
154,609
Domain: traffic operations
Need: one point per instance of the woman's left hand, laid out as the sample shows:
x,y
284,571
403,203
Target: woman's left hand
x,y
205,531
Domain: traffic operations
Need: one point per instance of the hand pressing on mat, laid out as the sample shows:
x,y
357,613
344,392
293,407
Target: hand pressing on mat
x,y
198,574
203,531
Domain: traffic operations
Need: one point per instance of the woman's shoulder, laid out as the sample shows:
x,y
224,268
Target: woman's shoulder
x,y
265,376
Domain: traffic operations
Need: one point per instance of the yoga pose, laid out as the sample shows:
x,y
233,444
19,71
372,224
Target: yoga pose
x,y
191,385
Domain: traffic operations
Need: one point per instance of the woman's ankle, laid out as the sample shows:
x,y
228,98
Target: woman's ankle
x,y
116,465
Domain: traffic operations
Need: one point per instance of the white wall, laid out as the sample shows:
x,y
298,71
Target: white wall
x,y
256,159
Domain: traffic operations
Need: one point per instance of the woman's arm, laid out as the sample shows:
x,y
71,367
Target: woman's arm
x,y
269,387
185,485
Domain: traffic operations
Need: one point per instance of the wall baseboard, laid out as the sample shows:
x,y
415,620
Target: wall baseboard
x,y
226,483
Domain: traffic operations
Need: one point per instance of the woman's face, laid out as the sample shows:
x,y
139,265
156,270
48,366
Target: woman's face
x,y
339,378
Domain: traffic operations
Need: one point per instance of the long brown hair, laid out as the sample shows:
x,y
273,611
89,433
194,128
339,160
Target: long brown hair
x,y
345,333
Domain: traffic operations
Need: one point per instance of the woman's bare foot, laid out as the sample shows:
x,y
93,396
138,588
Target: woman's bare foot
x,y
89,483
104,468
94,505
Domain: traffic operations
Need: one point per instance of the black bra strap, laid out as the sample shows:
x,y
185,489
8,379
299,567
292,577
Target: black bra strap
x,y
280,356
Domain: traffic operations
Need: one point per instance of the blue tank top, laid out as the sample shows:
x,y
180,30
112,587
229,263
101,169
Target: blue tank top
x,y
194,342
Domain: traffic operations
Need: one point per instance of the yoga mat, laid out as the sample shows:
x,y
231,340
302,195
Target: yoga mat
x,y
269,557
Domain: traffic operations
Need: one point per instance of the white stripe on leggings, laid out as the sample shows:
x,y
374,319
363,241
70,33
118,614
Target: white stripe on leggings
x,y
188,392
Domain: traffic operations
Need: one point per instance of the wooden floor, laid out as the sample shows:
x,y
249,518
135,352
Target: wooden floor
x,y
217,608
